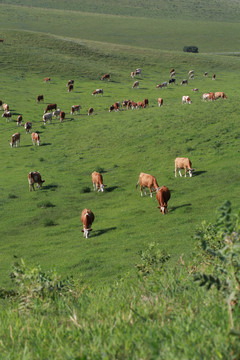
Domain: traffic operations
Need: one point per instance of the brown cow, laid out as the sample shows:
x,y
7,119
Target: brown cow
x,y
70,88
145,102
163,195
15,139
183,163
220,94
75,109
135,84
35,178
28,127
115,107
39,98
90,111
47,79
97,92
160,102
214,77
19,120
87,218
211,96
140,104
149,181
97,181
132,74
7,115
5,107
62,116
50,107
105,77
35,138
125,102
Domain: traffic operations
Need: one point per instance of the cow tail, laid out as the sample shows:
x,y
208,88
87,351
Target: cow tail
x,y
137,184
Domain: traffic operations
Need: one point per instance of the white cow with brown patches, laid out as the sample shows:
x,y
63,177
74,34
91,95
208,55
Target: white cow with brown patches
x,y
15,140
34,177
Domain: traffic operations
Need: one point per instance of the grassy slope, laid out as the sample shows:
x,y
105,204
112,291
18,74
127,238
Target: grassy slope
x,y
123,144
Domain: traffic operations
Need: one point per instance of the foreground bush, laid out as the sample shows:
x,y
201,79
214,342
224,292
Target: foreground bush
x,y
162,313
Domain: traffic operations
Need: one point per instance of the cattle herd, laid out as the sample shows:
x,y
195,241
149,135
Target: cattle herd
x,y
145,180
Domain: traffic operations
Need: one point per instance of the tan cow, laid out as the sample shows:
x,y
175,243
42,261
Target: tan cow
x,y
163,196
34,177
35,138
183,163
87,218
160,102
19,120
220,94
5,107
97,181
47,79
15,140
149,181
75,109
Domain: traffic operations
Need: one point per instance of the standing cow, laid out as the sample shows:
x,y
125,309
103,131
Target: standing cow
x,y
97,181
28,127
15,140
34,177
35,138
183,163
87,218
149,181
19,120
163,196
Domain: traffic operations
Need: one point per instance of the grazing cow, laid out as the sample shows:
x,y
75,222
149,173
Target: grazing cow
x,y
97,181
105,77
134,105
28,127
164,84
7,115
220,94
87,218
70,82
56,113
1,104
90,111
5,107
125,102
186,99
19,120
145,102
149,181
34,177
138,72
15,139
211,96
160,102
62,116
135,84
183,163
190,72
35,138
205,96
172,81
115,107
214,77
75,109
47,79
205,74
70,88
39,98
47,117
184,82
163,195
140,104
50,107
195,90
97,92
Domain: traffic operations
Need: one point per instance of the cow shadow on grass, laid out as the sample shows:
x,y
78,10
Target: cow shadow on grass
x,y
51,187
111,188
173,208
197,173
102,231
45,144
27,145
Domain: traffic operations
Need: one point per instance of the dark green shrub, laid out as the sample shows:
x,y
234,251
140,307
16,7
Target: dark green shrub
x,y
192,49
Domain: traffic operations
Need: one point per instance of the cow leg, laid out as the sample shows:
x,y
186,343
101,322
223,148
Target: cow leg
x,y
180,173
185,172
144,191
94,186
175,172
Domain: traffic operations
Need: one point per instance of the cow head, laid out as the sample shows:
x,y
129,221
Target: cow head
x,y
86,233
163,209
40,182
190,171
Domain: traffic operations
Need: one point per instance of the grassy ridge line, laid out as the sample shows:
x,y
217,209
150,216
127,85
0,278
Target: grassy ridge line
x,y
205,10
148,33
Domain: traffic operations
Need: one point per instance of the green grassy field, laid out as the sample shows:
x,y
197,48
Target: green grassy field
x,y
121,145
